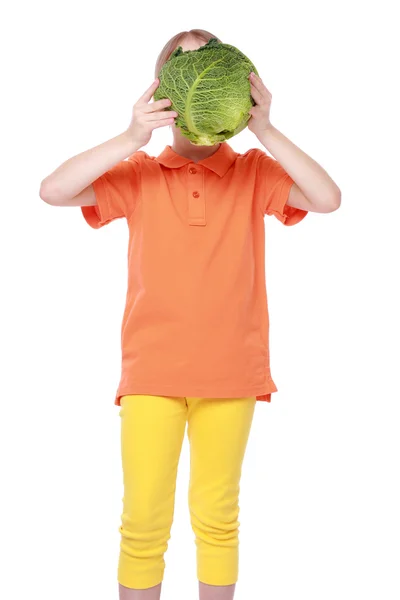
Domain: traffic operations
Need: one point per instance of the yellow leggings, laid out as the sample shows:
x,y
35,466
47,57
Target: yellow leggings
x,y
152,432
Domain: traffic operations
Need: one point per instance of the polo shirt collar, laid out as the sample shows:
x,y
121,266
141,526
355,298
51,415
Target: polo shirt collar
x,y
219,162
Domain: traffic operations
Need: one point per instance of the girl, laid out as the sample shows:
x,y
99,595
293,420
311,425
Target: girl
x,y
195,327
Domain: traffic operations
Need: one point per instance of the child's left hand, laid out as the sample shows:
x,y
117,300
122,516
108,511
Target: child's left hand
x,y
259,121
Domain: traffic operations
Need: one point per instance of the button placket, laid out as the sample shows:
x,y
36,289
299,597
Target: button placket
x,y
196,196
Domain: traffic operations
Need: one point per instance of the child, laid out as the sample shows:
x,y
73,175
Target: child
x,y
195,327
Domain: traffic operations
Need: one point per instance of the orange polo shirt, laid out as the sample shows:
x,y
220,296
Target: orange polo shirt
x,y
196,318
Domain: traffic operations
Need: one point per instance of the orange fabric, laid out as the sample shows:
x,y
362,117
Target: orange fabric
x,y
196,317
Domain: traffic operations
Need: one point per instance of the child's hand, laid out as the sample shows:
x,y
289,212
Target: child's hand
x,y
147,116
259,121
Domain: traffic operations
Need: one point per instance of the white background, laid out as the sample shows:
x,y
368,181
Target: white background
x,y
320,490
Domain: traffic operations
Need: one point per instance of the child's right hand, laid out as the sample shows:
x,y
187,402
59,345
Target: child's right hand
x,y
147,116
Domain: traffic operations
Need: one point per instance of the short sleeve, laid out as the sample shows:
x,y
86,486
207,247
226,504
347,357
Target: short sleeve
x,y
272,189
117,193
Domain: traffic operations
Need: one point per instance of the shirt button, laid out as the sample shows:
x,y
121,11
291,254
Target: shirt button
x,y
195,194
192,170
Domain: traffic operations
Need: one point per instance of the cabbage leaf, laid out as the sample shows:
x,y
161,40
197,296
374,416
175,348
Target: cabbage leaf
x,y
209,89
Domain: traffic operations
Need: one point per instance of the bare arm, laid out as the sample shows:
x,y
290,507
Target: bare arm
x,y
70,183
313,189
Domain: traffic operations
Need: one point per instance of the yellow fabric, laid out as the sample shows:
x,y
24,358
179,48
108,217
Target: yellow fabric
x,y
152,432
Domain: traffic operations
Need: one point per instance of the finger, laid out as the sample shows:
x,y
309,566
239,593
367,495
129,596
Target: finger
x,y
257,96
255,111
162,123
164,114
254,80
157,105
147,96
258,83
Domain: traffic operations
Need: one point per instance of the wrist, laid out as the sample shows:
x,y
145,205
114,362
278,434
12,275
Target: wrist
x,y
266,134
129,142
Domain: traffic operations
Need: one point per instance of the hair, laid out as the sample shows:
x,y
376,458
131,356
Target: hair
x,y
200,35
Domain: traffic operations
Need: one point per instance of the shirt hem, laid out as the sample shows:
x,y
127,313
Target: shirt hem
x,y
99,214
262,393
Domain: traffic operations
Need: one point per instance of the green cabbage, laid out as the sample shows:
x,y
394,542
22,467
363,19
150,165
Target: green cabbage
x,y
209,89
